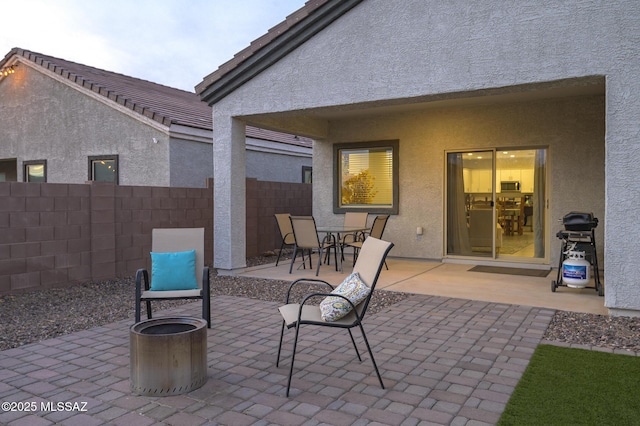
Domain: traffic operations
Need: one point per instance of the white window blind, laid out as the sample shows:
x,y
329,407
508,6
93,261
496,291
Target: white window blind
x,y
367,177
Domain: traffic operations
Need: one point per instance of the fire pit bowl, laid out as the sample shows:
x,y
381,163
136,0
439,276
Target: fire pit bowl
x,y
168,356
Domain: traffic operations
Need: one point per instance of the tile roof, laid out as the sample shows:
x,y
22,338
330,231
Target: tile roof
x,y
163,104
166,105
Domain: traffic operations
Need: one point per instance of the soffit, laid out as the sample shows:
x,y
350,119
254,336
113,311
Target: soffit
x,y
585,86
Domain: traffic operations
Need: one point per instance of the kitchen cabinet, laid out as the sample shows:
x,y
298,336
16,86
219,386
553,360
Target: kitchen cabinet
x,y
480,181
526,181
510,175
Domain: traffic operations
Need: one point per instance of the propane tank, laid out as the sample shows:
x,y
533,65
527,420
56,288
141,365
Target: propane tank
x,y
575,269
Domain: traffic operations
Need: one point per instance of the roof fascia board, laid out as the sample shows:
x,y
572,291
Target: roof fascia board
x,y
276,50
179,131
94,95
259,145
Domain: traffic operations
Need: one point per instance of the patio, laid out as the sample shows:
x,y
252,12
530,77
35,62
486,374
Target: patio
x,y
453,280
444,360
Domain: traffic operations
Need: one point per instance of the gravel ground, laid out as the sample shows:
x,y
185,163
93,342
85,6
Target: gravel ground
x,y
29,318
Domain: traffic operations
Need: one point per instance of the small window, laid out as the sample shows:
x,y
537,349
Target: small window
x,y
366,177
307,174
8,170
35,171
103,168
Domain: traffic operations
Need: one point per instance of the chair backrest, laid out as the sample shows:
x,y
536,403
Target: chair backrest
x,y
379,224
165,240
305,232
284,225
357,219
371,259
369,264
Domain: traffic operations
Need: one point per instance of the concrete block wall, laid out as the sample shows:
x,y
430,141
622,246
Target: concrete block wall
x,y
54,235
45,235
264,199
139,209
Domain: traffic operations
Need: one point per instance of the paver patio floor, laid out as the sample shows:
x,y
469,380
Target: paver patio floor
x,y
443,361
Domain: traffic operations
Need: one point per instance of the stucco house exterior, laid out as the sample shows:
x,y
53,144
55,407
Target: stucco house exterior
x,y
528,112
64,122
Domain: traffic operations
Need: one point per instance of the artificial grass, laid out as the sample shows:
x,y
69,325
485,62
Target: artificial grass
x,y
568,386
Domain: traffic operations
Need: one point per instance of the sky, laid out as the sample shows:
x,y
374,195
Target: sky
x,y
172,42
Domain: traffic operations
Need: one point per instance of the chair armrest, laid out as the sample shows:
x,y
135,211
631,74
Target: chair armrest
x,y
308,281
142,275
312,295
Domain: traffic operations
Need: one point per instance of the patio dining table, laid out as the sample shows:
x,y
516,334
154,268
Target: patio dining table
x,y
334,232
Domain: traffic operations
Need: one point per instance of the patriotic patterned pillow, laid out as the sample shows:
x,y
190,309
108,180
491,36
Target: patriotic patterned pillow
x,y
333,308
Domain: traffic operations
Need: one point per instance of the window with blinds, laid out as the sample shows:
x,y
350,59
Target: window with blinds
x,y
366,176
35,171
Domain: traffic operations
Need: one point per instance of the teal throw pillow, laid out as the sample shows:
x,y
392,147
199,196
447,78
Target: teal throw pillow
x,y
173,271
333,308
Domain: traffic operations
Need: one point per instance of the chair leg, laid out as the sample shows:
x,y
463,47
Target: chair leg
x,y
371,355
293,258
148,309
293,357
327,255
280,344
206,311
354,344
138,301
280,252
319,260
141,275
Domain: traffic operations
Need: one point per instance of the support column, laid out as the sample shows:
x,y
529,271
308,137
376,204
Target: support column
x,y
229,192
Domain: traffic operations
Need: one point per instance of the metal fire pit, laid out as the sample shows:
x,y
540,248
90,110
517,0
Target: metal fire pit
x,y
168,356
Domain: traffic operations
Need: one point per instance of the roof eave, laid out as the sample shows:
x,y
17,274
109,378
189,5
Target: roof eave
x,y
214,88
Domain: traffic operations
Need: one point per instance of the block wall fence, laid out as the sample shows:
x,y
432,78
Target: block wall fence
x,y
56,235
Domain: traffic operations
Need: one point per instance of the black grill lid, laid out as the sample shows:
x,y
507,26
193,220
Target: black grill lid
x,y
579,221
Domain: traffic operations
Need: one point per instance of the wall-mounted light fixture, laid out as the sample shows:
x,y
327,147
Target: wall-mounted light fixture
x,y
5,71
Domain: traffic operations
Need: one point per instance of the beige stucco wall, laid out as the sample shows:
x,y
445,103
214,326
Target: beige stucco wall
x,y
571,128
43,118
382,53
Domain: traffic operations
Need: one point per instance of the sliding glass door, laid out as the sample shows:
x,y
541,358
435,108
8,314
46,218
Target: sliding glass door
x,y
470,206
496,203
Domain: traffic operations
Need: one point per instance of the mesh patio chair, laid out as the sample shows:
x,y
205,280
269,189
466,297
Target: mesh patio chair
x,y
177,255
367,269
286,232
377,229
355,219
306,238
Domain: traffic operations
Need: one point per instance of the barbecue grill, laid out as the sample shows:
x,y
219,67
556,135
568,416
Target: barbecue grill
x,y
579,235
577,221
